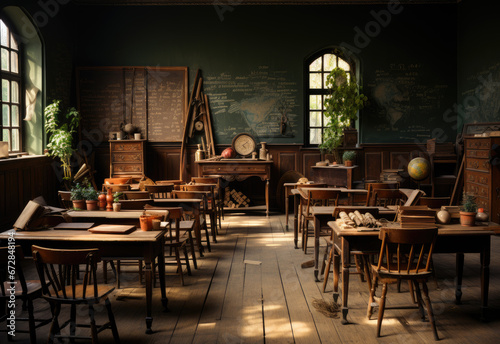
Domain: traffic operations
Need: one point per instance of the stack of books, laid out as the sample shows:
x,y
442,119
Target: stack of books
x,y
416,215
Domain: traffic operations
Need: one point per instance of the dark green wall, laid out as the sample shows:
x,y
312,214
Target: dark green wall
x,y
479,63
415,53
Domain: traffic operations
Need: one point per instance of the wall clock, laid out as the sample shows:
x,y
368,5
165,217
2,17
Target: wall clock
x,y
244,144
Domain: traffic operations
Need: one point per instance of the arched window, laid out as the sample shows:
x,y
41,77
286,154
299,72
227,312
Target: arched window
x,y
10,75
317,67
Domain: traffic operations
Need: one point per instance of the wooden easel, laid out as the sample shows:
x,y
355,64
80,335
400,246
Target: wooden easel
x,y
198,110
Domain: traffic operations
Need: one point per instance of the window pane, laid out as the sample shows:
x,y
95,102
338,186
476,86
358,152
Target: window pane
x,y
5,90
13,43
5,115
15,116
4,34
315,136
315,80
15,92
5,136
325,77
15,139
326,121
315,119
315,66
14,66
344,65
5,59
330,62
315,102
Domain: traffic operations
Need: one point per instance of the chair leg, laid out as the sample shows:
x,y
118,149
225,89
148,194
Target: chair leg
x,y
359,268
412,291
193,253
112,322
327,268
186,257
140,271
419,300
118,271
179,265
381,309
93,327
366,266
105,271
208,237
429,310
31,321
72,324
371,299
54,327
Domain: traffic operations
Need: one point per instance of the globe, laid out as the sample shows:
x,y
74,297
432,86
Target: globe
x,y
419,168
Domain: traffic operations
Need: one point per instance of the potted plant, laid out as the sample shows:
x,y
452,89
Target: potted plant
x,y
348,157
468,212
341,108
77,197
116,201
61,135
91,197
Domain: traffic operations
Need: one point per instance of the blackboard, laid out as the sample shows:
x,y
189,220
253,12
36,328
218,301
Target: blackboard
x,y
406,104
153,99
255,102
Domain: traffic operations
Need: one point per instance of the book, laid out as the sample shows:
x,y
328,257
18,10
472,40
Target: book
x,y
31,212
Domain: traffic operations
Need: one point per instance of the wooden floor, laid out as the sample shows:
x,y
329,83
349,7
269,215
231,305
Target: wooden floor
x,y
251,289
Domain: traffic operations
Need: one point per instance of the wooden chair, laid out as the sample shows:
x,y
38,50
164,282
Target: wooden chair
x,y
26,291
203,216
316,198
159,191
116,187
61,269
405,254
65,199
136,195
218,193
375,186
135,204
211,207
385,197
361,258
303,202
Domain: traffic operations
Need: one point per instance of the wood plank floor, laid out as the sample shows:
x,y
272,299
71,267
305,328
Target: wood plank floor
x,y
251,289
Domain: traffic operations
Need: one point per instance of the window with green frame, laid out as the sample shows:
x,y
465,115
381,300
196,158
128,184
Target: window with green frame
x,y
317,68
10,101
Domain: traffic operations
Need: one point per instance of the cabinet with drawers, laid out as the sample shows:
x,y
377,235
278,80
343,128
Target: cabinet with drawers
x,y
126,158
482,179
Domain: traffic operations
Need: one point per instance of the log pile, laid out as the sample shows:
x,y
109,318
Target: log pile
x,y
235,199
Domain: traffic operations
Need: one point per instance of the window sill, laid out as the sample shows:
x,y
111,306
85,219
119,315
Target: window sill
x,y
19,156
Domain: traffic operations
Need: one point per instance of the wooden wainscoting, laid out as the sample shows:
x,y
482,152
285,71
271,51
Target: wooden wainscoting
x,y
23,179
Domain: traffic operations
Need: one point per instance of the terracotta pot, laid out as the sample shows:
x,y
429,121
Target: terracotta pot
x,y
145,223
79,204
467,218
117,206
91,205
348,163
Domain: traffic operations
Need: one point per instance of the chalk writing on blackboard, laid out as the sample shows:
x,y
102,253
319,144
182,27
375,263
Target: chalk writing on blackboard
x,y
257,103
153,99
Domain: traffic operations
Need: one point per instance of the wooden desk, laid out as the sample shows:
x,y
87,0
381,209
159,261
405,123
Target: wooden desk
x,y
452,238
336,175
136,245
238,169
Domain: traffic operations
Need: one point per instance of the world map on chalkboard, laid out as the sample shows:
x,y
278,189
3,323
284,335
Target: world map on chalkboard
x,y
262,103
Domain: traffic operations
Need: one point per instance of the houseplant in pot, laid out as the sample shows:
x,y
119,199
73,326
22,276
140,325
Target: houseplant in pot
x,y
77,197
91,197
117,206
469,209
61,136
348,157
341,108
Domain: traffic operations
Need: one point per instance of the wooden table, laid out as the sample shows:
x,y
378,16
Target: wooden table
x,y
335,175
238,169
452,238
136,245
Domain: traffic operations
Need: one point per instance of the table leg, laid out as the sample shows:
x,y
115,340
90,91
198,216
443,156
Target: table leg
x,y
336,270
267,197
286,208
317,226
296,200
485,279
149,294
459,271
197,229
161,277
345,279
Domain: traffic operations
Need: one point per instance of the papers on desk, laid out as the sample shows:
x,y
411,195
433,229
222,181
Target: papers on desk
x,y
112,229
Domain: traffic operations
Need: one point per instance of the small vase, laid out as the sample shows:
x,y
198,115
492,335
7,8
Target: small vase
x,y
263,151
481,216
467,219
443,217
109,200
91,205
117,206
101,200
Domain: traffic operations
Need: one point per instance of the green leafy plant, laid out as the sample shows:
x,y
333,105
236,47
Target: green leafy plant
x,y
341,107
116,197
61,135
349,156
90,193
469,204
77,192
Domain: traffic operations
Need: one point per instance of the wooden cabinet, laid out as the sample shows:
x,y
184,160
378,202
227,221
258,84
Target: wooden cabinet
x,y
126,158
482,179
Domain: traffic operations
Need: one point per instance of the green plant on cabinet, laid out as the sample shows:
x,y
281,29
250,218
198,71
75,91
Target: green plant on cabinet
x,y
469,204
90,193
349,156
77,192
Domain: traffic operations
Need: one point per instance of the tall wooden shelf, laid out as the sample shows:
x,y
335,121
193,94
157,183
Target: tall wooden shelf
x,y
126,158
482,179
